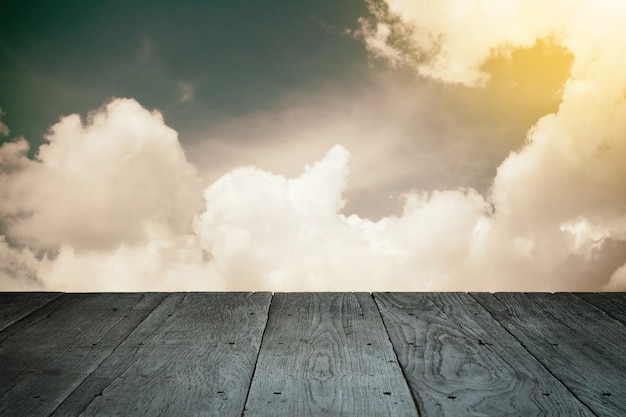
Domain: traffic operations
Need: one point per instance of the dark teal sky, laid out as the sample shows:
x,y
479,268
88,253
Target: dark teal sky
x,y
64,57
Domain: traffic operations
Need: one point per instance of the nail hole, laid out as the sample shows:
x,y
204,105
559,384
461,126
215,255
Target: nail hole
x,y
277,393
386,393
220,392
452,397
606,394
368,344
546,394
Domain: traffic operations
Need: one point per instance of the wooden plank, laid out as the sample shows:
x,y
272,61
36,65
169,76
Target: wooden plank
x,y
327,354
16,305
573,340
459,361
194,355
617,297
47,354
613,309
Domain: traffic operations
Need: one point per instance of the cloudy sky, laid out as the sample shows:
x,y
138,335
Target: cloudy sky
x,y
313,145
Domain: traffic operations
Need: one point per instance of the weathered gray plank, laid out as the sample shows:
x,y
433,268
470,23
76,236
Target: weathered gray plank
x,y
194,355
599,300
16,305
49,352
618,297
460,361
579,344
327,354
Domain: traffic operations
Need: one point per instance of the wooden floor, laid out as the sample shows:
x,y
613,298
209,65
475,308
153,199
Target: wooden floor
x,y
313,354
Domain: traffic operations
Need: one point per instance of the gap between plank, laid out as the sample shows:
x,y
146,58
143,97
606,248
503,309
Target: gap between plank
x,y
415,403
51,305
58,294
529,352
258,352
606,313
83,408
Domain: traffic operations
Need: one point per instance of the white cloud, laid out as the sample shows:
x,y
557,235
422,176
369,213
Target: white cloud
x,y
258,230
106,204
450,39
571,171
118,179
276,233
114,204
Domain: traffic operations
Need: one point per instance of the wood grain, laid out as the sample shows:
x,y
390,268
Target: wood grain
x,y
612,308
318,354
579,344
460,361
327,354
57,346
617,297
16,305
194,355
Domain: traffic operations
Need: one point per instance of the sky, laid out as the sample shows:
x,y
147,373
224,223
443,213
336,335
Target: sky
x,y
387,145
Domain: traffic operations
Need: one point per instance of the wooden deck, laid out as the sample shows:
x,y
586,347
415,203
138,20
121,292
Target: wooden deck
x,y
312,354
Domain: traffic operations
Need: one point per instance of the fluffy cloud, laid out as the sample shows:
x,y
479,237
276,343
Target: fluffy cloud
x,y
118,179
113,203
561,196
450,39
258,230
106,204
269,232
